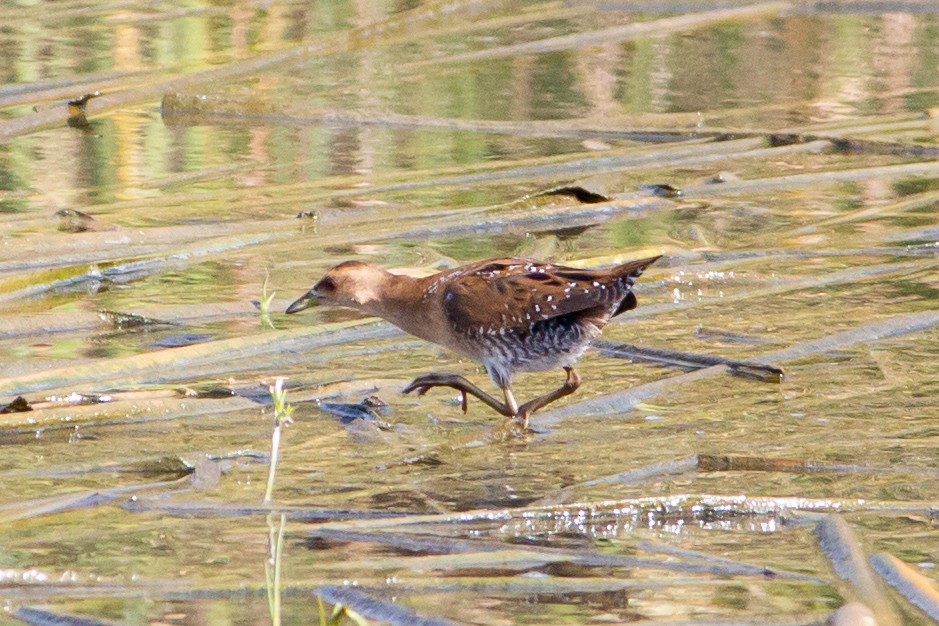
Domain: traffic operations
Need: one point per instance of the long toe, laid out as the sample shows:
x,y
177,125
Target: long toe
x,y
423,383
420,388
430,380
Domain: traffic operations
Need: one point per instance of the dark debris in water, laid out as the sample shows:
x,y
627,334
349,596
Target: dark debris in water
x,y
74,221
39,617
614,599
376,608
689,362
663,190
371,409
578,192
565,234
81,101
125,321
164,468
18,405
182,339
210,390
76,110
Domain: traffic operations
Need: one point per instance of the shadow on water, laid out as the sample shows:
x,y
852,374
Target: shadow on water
x,y
754,444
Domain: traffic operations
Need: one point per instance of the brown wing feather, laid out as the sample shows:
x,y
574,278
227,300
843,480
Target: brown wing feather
x,y
512,294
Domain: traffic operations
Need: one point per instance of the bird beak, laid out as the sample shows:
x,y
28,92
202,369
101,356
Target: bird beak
x,y
305,301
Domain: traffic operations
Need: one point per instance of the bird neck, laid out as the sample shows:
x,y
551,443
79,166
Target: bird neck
x,y
399,301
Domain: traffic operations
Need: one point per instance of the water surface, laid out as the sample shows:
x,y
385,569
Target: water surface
x,y
294,136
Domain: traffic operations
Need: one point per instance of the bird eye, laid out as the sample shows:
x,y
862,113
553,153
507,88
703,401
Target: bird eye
x,y
326,285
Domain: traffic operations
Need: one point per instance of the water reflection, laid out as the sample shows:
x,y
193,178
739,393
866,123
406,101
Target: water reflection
x,y
772,72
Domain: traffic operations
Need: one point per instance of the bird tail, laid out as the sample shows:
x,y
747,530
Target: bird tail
x,y
629,273
634,269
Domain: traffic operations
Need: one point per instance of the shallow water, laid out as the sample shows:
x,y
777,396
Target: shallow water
x,y
804,144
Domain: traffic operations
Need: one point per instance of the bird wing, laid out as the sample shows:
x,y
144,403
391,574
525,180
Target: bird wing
x,y
513,294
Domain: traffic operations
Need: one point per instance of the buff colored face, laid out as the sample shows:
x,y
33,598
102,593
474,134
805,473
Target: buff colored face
x,y
350,284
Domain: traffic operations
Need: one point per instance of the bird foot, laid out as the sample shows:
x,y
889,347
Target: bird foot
x,y
518,415
423,384
521,419
528,409
514,429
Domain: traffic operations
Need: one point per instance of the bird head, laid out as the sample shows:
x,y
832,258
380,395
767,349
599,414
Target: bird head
x,y
352,283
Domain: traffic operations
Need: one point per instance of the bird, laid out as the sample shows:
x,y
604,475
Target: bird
x,y
509,314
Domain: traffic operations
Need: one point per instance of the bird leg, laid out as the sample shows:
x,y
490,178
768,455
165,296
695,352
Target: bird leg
x,y
570,386
510,402
423,384
509,408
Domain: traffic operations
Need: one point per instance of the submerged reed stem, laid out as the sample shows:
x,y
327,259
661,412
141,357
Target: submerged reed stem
x,y
272,566
282,413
